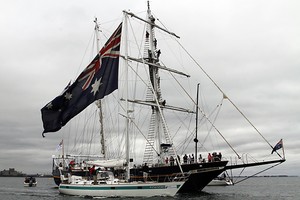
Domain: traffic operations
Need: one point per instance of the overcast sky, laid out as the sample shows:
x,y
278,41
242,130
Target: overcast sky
x,y
251,48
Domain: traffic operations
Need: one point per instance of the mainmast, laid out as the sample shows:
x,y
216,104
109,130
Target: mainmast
x,y
153,57
158,125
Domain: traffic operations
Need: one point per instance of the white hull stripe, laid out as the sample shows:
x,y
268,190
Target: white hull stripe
x,y
117,187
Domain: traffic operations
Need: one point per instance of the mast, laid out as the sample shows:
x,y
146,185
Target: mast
x,y
126,98
63,152
196,137
154,98
154,77
99,102
161,126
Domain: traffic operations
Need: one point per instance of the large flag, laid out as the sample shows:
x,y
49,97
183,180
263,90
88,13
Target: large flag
x,y
97,80
277,146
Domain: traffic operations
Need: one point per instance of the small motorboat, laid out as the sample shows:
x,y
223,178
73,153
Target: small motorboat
x,y
30,182
222,180
218,182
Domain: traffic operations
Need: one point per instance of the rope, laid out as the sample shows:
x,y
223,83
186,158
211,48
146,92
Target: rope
x,y
202,112
218,111
224,95
257,173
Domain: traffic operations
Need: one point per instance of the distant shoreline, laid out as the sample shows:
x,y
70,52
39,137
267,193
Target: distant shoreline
x,y
26,175
267,176
11,172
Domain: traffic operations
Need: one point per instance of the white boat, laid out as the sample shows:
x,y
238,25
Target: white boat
x,y
30,182
121,189
108,186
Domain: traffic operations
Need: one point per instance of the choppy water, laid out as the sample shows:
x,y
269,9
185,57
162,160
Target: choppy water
x,y
272,188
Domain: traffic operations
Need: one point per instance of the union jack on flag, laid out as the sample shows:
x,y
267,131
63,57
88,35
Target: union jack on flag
x,y
111,49
277,146
97,80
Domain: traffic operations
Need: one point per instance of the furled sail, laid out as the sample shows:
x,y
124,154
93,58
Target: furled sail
x,y
108,163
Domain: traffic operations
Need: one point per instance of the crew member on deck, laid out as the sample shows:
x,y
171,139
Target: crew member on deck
x,y
172,161
209,157
93,174
200,158
145,172
185,158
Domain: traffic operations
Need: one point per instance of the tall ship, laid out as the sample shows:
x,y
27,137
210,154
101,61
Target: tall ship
x,y
152,123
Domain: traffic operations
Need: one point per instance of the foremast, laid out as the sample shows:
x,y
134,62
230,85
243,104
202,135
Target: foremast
x,y
99,101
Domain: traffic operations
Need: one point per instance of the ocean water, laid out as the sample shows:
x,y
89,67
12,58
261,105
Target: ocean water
x,y
262,188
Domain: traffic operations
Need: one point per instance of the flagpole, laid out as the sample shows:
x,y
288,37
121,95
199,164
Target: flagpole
x,y
283,150
63,152
275,149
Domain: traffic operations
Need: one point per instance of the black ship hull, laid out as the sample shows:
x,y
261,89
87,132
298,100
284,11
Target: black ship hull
x,y
199,174
198,179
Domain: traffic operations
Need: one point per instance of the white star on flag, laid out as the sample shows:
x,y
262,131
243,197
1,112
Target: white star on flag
x,y
68,96
96,85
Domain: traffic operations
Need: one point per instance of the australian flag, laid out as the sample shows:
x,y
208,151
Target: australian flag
x,y
277,146
97,80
